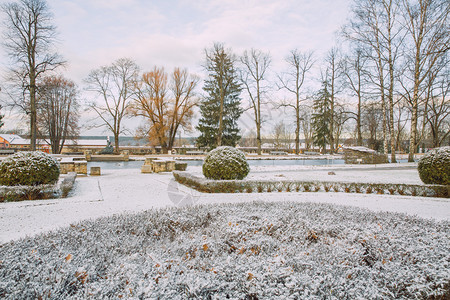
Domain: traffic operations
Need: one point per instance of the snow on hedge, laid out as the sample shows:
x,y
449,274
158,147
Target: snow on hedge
x,y
283,250
225,163
434,166
29,168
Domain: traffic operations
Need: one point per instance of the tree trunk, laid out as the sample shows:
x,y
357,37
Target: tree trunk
x,y
297,129
358,121
33,114
413,136
116,143
391,112
258,114
332,117
258,138
391,89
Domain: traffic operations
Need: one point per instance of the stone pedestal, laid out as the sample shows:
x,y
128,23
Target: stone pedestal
x,y
95,171
126,155
147,169
81,167
170,165
159,166
88,155
148,161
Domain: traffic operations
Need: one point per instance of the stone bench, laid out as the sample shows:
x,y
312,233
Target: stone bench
x,y
95,171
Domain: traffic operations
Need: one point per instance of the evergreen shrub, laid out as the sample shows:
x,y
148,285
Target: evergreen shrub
x,y
434,166
225,163
29,168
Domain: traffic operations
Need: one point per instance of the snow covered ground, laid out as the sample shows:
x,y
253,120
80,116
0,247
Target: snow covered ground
x,y
384,173
118,191
257,250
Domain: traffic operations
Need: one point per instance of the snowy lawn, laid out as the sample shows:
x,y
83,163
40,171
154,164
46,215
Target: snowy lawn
x,y
405,173
257,250
128,190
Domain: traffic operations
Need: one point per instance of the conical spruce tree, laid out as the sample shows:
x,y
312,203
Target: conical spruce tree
x,y
220,109
321,117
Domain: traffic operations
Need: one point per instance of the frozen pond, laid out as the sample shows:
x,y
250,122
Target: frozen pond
x,y
136,164
107,165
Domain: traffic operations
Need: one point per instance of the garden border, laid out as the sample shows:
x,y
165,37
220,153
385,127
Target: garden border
x,y
260,186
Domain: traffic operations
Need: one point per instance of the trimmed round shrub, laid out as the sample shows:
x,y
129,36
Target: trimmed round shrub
x,y
434,167
225,163
29,168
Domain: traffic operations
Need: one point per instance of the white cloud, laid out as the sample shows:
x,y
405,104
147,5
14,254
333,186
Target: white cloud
x,y
174,33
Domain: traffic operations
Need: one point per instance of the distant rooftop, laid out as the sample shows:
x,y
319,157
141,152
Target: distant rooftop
x,y
14,139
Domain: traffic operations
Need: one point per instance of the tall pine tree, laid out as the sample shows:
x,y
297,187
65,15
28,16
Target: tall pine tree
x,y
220,109
321,117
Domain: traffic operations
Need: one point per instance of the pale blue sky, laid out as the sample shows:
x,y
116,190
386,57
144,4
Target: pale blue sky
x,y
174,33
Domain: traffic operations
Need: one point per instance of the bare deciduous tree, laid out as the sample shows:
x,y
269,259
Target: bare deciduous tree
x,y
372,116
281,135
255,65
28,38
332,74
426,23
292,80
183,87
353,70
374,26
307,128
57,111
165,112
438,104
114,84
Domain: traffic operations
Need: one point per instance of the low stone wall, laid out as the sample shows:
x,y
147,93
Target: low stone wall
x,y
155,165
68,165
360,157
124,156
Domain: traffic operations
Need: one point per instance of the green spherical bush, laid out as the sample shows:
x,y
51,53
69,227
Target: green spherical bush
x,y
225,163
434,167
29,168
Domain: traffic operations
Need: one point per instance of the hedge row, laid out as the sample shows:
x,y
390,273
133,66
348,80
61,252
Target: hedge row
x,y
265,186
35,192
